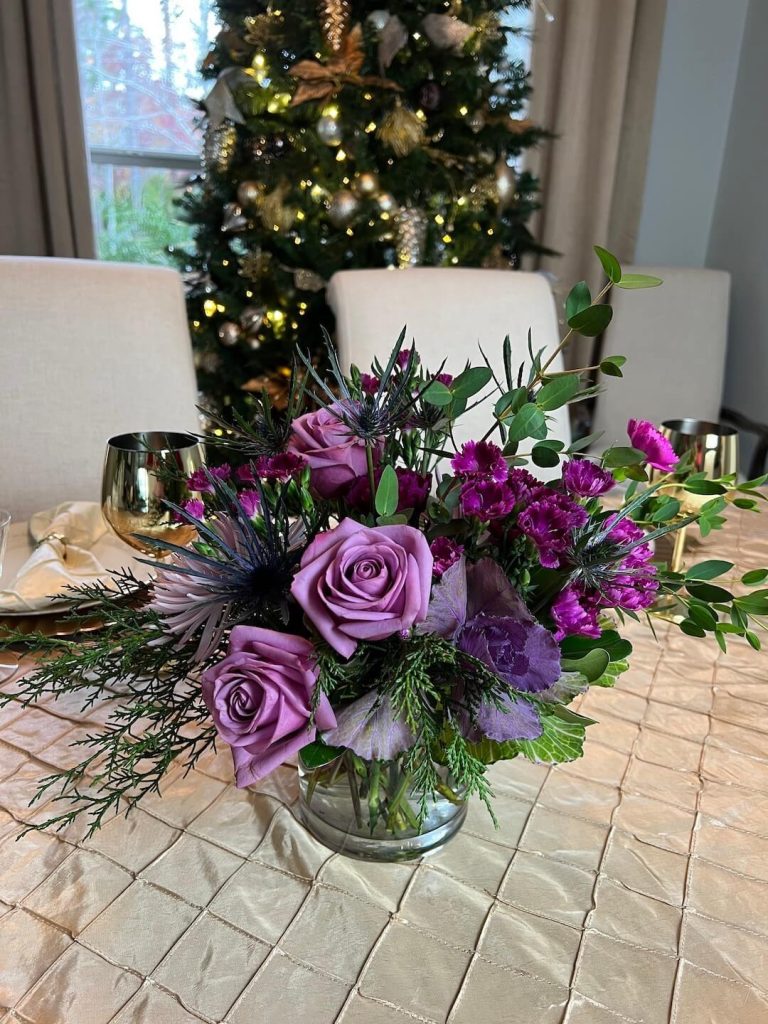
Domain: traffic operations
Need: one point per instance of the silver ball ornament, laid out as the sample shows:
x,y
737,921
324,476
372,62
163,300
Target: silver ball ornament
x,y
229,333
386,202
329,130
366,184
343,207
506,183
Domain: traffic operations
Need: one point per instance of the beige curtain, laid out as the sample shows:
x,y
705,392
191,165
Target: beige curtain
x,y
594,70
44,200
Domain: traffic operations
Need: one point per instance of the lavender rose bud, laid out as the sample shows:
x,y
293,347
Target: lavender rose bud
x,y
651,442
336,457
364,583
259,699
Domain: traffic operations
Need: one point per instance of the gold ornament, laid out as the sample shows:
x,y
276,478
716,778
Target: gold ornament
x,y
329,130
318,81
402,131
343,207
366,184
219,147
506,183
255,265
275,215
334,22
249,193
411,236
229,333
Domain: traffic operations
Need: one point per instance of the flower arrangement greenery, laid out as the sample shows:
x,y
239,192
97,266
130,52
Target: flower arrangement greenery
x,y
396,613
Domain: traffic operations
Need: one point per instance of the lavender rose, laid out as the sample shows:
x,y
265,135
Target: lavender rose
x,y
259,699
364,583
336,457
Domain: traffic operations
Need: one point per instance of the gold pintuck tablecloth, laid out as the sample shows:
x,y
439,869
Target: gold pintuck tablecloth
x,y
630,886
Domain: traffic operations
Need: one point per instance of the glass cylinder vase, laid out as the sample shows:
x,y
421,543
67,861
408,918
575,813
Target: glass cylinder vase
x,y
370,809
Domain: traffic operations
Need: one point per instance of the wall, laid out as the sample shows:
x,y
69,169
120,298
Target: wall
x,y
697,77
739,236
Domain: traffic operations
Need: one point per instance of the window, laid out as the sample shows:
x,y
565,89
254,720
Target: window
x,y
139,66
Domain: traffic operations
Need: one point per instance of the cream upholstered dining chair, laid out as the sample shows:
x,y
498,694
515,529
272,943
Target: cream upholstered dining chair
x,y
448,313
675,339
87,350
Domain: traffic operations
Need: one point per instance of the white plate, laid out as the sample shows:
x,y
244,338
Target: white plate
x,y
111,552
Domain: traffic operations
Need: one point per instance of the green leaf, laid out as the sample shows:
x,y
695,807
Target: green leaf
x,y
754,577
704,487
585,442
611,365
397,520
748,504
611,265
316,754
437,394
590,665
621,456
703,616
708,593
558,392
529,422
753,640
611,674
511,403
753,604
691,628
709,570
617,647
579,298
667,511
387,492
591,321
639,281
470,381
544,456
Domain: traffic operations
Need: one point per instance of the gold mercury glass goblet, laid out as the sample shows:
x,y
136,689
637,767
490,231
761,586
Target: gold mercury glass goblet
x,y
142,471
715,451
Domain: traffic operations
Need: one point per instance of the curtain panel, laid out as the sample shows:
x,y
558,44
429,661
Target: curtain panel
x,y
44,199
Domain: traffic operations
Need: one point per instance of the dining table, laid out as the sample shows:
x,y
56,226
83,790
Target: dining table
x,y
628,886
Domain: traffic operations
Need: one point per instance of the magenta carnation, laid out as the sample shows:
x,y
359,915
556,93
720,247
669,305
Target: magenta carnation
x,y
487,500
404,355
336,457
282,466
199,481
369,383
244,474
585,479
364,583
658,452
549,522
480,460
195,508
259,698
446,552
574,614
250,501
524,485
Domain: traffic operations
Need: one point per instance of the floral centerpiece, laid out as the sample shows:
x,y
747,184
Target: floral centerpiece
x,y
394,612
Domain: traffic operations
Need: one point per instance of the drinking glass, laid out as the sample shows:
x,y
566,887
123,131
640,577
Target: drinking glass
x,y
5,524
715,449
142,472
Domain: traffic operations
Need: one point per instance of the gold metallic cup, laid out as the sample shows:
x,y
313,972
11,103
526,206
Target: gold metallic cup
x,y
715,451
142,471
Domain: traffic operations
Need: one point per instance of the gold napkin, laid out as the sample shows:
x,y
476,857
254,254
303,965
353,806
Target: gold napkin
x,y
62,557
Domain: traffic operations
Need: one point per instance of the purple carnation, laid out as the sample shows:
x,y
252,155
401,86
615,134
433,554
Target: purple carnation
x,y
199,480
404,355
548,522
369,383
282,466
658,452
444,378
574,614
487,500
584,478
446,552
250,502
195,508
481,460
244,474
524,485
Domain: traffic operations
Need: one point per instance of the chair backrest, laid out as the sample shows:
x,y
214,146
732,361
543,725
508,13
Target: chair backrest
x,y
674,338
87,350
448,312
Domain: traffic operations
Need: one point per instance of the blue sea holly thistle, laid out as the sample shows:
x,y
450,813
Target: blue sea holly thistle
x,y
395,611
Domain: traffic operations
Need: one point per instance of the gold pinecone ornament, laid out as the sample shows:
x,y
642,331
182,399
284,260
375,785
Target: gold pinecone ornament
x,y
219,147
334,22
411,223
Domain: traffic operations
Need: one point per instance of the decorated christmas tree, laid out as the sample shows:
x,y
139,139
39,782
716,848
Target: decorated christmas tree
x,y
339,135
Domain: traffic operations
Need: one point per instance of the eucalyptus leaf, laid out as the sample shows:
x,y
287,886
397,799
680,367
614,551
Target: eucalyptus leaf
x,y
470,381
579,298
610,263
591,321
387,492
544,456
558,392
639,281
708,592
622,456
437,394
709,570
528,422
